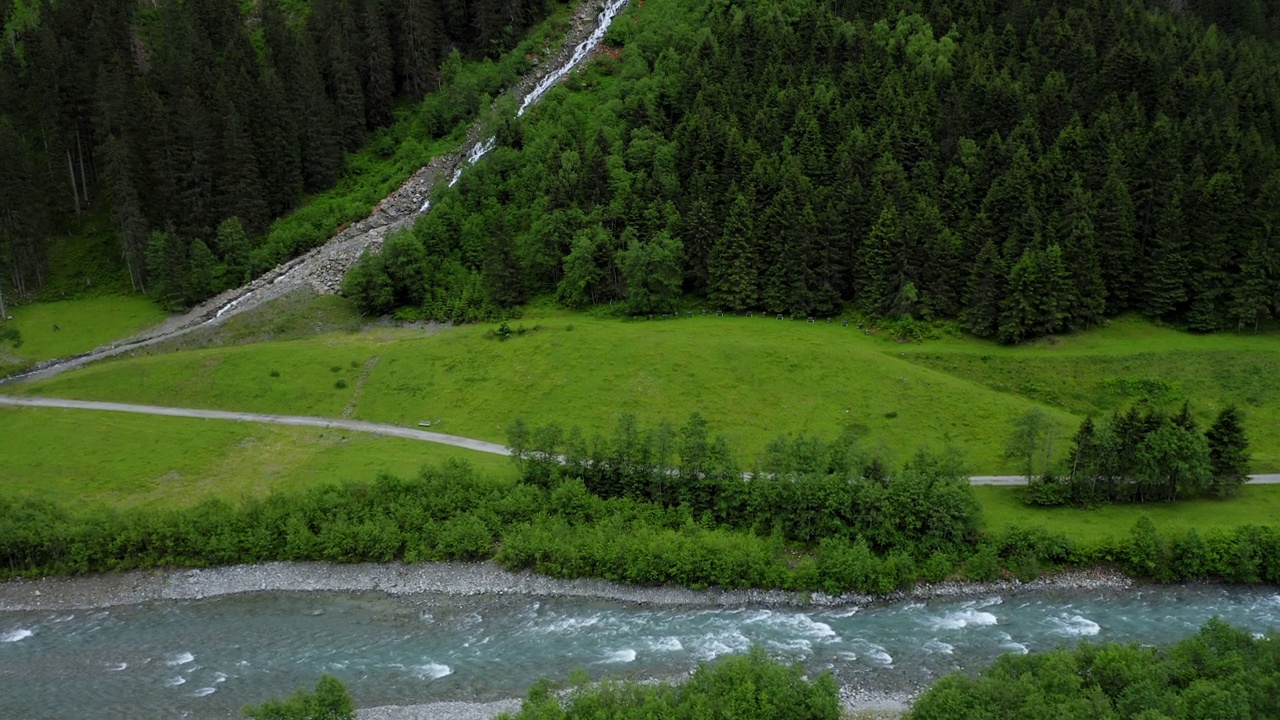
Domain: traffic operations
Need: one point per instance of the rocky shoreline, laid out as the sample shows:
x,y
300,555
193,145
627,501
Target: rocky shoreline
x,y
463,579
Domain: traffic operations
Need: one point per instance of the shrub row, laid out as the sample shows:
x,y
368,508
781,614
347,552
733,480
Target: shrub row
x,y
451,513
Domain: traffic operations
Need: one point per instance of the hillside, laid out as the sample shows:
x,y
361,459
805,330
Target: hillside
x,y
1025,169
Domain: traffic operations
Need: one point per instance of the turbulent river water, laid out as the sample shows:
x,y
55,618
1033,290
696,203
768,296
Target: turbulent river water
x,y
208,658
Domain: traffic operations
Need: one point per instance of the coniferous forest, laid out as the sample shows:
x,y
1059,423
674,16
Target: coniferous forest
x,y
199,121
1023,168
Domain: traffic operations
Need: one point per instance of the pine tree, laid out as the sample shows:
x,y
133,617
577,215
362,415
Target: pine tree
x,y
1164,289
276,147
1116,228
1254,289
200,284
232,245
732,277
1228,452
985,293
879,275
237,187
379,79
126,211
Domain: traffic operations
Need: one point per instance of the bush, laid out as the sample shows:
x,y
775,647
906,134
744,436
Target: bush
x,y
329,701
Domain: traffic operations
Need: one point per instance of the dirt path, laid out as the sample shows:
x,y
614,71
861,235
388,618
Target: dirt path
x,y
383,429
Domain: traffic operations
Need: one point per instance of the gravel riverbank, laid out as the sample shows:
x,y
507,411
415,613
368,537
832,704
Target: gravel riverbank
x,y
110,589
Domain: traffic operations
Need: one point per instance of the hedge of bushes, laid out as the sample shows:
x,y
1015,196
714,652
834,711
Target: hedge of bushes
x,y
450,512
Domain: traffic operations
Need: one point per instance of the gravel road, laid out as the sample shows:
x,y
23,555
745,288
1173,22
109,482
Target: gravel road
x,y
382,429
298,420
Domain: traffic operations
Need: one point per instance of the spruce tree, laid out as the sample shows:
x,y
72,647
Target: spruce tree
x,y
1228,451
732,275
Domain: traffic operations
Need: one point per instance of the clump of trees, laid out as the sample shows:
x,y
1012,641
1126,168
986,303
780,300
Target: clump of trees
x,y
1140,455
1221,672
804,489
741,687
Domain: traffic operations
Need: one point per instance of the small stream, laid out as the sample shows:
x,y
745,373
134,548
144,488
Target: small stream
x,y
208,658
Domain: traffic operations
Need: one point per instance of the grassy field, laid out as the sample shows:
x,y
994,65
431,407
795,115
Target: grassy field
x,y
1257,505
89,459
751,378
1129,361
83,324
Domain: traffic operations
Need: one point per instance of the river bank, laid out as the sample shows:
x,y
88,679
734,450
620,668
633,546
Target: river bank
x,y
465,579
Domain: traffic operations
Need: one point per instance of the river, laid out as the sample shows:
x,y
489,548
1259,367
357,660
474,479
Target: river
x,y
207,658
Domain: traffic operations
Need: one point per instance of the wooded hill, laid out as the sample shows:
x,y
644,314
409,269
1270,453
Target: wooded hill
x,y
183,114
1024,167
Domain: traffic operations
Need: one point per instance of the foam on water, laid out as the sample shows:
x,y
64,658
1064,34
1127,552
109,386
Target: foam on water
x,y
962,619
621,656
666,644
937,647
175,681
16,635
1075,626
713,646
181,658
432,671
219,677
873,652
118,667
794,645
201,692
570,624
800,623
847,612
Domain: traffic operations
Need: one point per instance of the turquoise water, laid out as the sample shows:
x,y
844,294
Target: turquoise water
x,y
208,658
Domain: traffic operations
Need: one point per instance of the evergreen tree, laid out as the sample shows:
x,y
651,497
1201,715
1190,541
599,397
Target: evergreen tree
x,y
379,78
732,277
984,293
1228,452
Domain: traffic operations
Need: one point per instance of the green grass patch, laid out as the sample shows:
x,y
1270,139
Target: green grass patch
x,y
1003,508
1130,360
82,325
87,459
751,378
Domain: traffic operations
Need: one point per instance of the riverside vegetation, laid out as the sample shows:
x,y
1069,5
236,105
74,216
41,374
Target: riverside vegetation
x,y
820,517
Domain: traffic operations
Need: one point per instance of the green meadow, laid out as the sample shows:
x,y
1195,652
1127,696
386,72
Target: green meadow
x,y
1002,508
85,459
83,325
751,378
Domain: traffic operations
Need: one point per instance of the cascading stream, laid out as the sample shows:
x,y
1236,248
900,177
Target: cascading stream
x,y
208,658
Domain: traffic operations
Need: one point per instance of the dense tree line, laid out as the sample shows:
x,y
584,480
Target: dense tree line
x,y
1142,454
199,121
1221,672
1024,167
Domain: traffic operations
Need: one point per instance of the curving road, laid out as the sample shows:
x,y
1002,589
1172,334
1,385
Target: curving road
x,y
298,420
380,429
